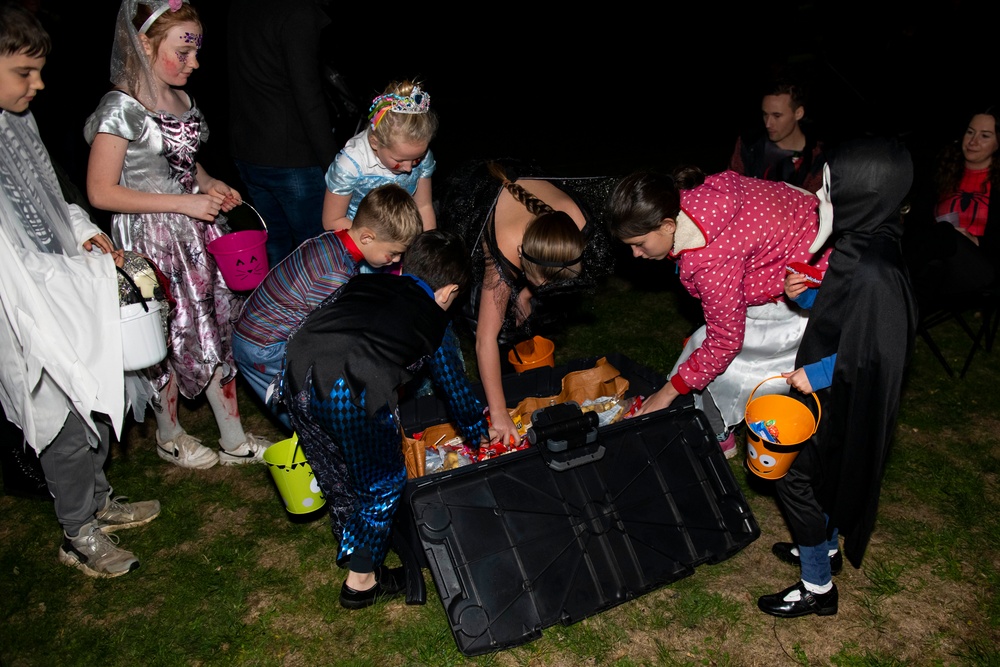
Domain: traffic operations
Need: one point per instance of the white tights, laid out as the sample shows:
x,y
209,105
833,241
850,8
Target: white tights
x,y
222,400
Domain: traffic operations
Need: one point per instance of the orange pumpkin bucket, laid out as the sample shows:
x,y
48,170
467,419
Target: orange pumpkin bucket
x,y
791,420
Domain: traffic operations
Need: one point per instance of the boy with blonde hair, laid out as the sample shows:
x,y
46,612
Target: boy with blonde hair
x,y
386,224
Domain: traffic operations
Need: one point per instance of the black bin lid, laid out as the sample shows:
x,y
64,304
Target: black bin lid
x,y
514,546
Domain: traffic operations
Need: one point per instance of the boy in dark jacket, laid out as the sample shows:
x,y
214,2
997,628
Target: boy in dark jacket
x,y
343,368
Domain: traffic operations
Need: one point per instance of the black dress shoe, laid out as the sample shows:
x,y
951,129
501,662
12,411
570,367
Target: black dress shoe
x,y
388,583
821,604
783,550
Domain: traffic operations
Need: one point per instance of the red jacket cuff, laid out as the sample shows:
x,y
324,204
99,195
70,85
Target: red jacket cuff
x,y
679,384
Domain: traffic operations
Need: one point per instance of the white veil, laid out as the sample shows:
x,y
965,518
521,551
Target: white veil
x,y
130,68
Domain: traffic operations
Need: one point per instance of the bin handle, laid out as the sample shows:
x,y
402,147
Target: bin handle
x,y
819,408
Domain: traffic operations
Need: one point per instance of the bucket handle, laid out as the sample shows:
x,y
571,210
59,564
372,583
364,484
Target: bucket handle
x,y
819,408
132,284
259,216
292,450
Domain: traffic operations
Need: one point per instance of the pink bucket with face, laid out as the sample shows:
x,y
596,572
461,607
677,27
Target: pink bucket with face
x,y
242,256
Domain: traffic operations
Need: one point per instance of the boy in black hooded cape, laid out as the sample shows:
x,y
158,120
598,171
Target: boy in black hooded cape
x,y
343,367
853,354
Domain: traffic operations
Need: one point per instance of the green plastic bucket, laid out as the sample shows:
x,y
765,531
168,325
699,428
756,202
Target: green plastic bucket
x,y
294,476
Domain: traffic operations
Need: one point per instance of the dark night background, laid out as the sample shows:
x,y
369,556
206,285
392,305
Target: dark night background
x,y
588,92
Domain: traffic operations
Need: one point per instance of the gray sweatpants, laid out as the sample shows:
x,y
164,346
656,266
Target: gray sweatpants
x,y
74,472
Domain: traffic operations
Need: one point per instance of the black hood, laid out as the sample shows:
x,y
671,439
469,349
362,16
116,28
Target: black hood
x,y
869,179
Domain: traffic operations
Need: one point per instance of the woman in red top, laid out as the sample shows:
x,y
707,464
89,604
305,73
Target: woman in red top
x,y
967,173
956,257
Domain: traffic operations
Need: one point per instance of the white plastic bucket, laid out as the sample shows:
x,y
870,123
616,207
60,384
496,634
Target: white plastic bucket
x,y
143,343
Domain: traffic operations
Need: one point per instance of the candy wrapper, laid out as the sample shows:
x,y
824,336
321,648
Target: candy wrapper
x,y
448,455
813,275
609,409
765,430
632,406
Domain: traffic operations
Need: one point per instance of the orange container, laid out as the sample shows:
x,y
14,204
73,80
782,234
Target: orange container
x,y
532,353
795,423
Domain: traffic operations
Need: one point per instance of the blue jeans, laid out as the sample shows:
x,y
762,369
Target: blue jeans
x,y
290,199
815,560
260,365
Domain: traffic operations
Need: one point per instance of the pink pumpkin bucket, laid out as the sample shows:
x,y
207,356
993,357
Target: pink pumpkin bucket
x,y
242,256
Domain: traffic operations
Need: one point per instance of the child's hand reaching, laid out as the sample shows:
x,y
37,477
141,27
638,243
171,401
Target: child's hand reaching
x,y
503,429
799,380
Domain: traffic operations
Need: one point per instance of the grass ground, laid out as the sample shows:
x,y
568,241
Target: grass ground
x,y
228,578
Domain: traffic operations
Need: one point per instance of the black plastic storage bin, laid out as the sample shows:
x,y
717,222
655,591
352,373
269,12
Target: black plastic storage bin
x,y
515,546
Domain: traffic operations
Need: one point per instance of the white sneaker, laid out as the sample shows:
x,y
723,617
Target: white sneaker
x,y
96,554
250,451
119,515
186,451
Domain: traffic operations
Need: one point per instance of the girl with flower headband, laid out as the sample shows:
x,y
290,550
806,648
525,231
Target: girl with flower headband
x,y
393,148
145,136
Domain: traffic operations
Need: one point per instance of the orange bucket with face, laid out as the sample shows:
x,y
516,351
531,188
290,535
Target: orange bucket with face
x,y
793,422
532,353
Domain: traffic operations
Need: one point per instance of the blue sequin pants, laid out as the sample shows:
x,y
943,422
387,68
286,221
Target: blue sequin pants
x,y
361,462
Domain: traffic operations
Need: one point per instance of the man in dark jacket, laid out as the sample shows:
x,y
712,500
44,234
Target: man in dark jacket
x,y
281,136
784,153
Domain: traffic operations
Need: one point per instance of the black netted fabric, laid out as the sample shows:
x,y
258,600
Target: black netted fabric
x,y
469,199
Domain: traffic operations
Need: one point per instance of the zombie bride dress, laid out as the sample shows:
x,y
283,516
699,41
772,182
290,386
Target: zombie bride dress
x,y
161,158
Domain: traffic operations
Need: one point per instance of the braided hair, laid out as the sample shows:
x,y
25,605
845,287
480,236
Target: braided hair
x,y
552,246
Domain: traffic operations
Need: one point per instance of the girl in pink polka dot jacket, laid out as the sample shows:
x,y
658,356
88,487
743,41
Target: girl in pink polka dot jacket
x,y
732,238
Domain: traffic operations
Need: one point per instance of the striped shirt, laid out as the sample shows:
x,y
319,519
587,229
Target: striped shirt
x,y
296,286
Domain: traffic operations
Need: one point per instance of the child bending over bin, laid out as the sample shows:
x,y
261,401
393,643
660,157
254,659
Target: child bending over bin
x,y
343,367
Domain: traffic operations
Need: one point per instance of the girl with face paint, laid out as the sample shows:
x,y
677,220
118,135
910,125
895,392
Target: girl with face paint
x,y
145,136
393,148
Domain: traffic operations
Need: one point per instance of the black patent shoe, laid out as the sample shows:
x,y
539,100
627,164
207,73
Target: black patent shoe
x,y
388,583
783,550
821,604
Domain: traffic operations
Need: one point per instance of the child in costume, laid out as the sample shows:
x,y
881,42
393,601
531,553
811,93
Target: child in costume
x,y
534,239
854,354
144,137
731,237
392,149
61,381
343,368
386,223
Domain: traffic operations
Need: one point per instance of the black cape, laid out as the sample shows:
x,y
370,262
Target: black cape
x,y
374,332
864,312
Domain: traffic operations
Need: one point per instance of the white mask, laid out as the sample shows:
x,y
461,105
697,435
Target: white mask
x,y
825,212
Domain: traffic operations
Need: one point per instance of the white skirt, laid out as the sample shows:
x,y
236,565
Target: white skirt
x,y
773,333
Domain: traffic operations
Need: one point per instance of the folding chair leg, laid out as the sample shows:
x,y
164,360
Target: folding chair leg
x,y
936,351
